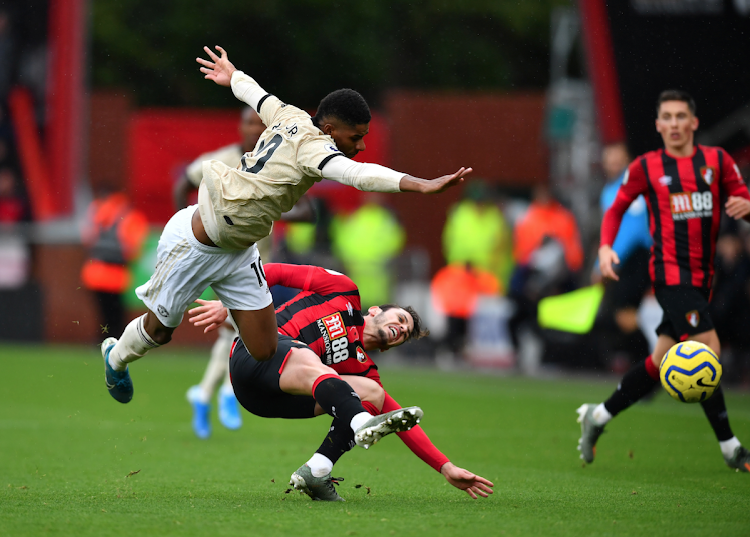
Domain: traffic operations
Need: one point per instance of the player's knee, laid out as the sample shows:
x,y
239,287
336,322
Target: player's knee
x,y
158,332
377,397
710,338
372,392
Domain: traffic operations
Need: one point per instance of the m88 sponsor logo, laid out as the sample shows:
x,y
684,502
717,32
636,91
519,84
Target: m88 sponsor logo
x,y
687,205
338,351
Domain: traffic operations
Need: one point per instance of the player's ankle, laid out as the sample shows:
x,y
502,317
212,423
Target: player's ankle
x,y
728,447
320,465
601,415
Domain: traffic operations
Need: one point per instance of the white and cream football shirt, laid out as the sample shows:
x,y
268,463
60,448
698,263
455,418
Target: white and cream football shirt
x,y
239,205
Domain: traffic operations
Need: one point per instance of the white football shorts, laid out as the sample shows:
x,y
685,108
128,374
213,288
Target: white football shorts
x,y
185,268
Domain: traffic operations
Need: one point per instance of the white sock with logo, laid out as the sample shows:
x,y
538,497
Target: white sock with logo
x,y
320,465
133,344
728,447
601,415
359,420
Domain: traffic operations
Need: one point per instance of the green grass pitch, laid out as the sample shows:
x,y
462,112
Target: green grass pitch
x,y
69,456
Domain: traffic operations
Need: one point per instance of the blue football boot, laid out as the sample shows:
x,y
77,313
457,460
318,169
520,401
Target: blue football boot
x,y
229,409
118,382
201,410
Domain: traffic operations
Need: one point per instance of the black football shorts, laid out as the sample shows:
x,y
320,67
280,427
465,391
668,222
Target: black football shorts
x,y
256,384
685,311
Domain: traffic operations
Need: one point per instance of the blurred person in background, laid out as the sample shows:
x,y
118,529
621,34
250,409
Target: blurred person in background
x,y
366,242
476,232
730,303
217,371
622,342
455,290
548,254
686,186
113,234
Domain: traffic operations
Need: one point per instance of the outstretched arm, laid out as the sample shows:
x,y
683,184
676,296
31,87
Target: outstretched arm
x,y
418,441
433,186
376,178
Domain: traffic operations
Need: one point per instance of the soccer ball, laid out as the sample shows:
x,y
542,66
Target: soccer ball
x,y
690,372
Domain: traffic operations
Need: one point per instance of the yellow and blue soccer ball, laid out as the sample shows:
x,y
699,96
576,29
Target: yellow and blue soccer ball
x,y
690,372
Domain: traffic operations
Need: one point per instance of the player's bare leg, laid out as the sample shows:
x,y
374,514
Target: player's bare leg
x,y
304,374
258,331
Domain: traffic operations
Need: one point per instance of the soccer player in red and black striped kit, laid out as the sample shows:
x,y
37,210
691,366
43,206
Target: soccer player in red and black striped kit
x,y
324,337
685,185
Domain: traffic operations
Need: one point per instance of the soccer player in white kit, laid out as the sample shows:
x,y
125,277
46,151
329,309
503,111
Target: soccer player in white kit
x,y
213,243
216,376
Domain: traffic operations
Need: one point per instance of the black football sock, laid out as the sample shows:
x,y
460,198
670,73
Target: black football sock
x,y
337,398
637,343
636,383
716,412
339,440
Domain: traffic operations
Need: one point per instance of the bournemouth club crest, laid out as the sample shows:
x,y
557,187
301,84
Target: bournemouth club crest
x,y
708,173
693,318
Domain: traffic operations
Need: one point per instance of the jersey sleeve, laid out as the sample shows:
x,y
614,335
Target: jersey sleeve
x,y
362,175
633,185
308,278
731,178
247,90
417,440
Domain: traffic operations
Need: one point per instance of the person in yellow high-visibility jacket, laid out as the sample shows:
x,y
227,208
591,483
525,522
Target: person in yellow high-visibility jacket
x,y
476,232
366,242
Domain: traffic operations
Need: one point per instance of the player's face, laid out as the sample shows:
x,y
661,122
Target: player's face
x,y
391,327
677,125
349,140
251,128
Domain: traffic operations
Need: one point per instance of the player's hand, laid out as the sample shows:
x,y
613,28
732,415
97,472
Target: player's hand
x,y
210,313
434,186
465,480
607,258
219,69
737,207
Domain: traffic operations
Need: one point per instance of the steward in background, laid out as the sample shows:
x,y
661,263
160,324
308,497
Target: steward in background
x,y
113,235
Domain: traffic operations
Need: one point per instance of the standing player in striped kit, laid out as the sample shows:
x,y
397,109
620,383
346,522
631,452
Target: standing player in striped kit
x,y
685,186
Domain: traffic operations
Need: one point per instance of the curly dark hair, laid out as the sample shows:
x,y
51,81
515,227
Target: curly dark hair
x,y
419,331
675,95
345,105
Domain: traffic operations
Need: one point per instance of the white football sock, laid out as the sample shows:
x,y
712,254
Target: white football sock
x,y
218,365
133,344
728,447
601,415
359,420
320,465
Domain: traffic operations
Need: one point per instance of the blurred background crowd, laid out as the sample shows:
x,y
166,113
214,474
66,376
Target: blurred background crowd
x,y
102,113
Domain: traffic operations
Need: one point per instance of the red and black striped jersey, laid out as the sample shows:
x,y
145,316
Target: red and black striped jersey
x,y
685,198
326,315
